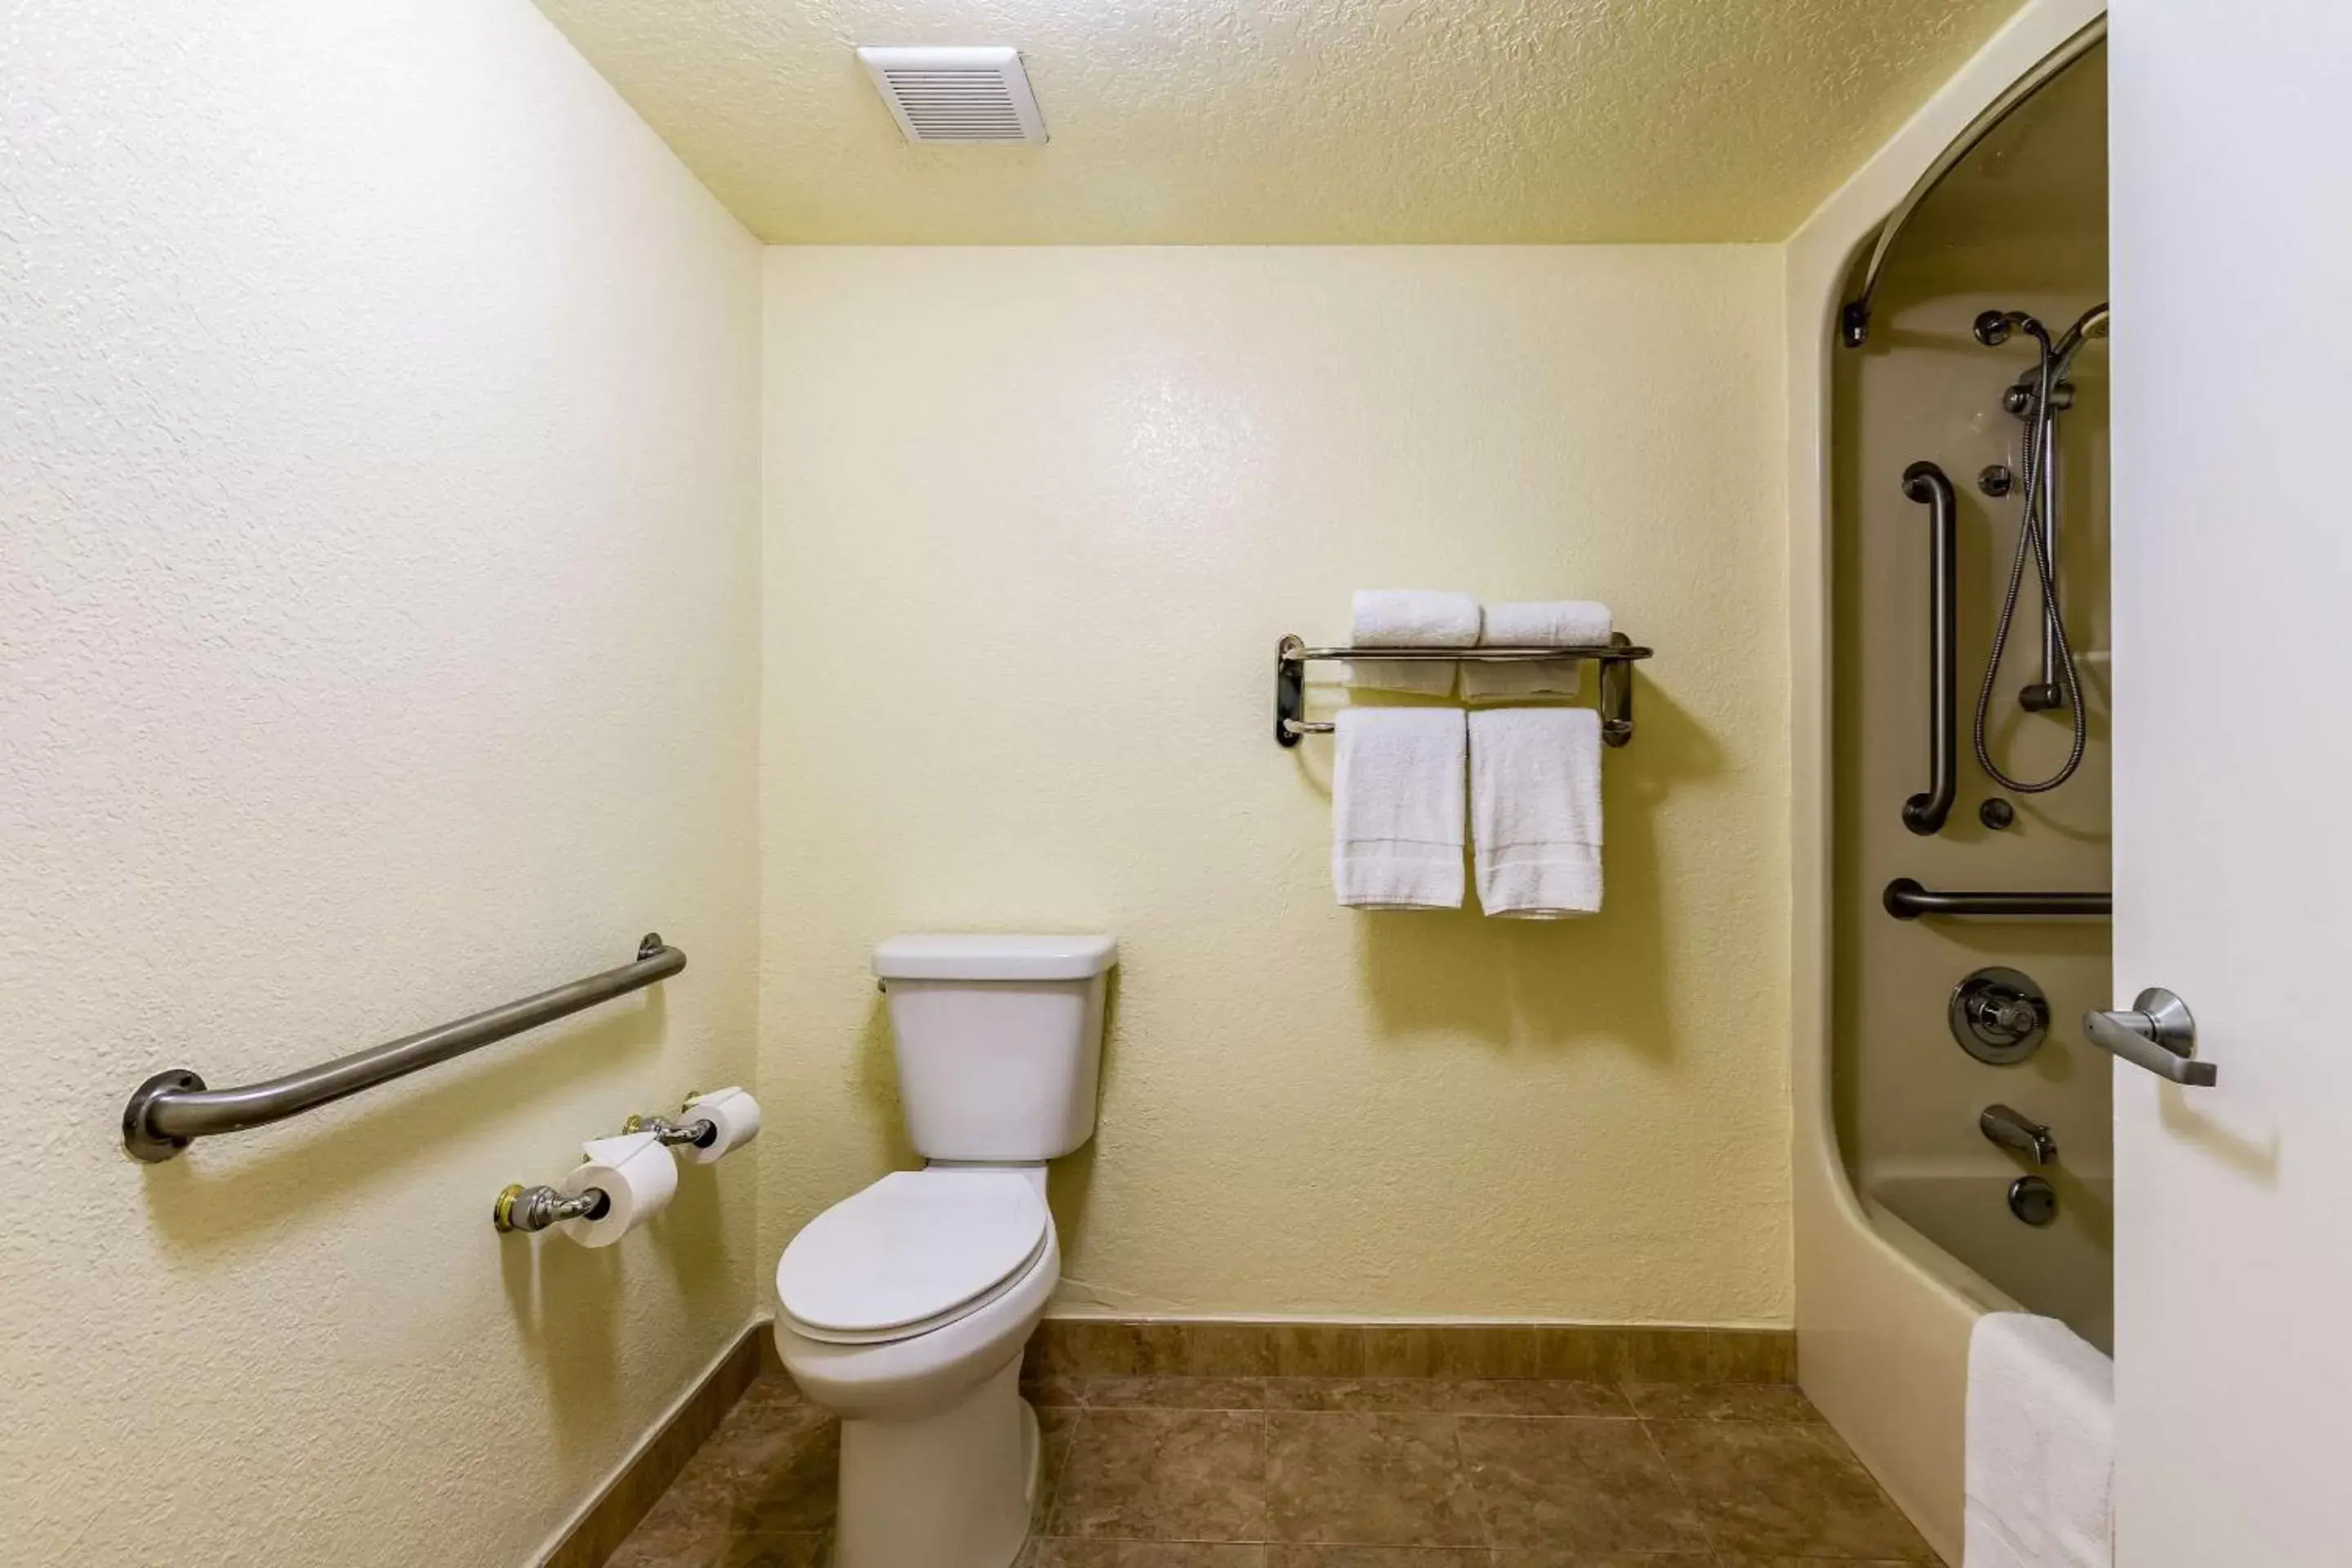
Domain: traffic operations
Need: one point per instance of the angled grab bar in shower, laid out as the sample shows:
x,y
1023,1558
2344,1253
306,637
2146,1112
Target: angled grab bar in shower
x,y
173,1109
1925,812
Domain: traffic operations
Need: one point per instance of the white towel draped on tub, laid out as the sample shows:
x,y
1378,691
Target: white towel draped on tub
x,y
1396,808
2041,1447
1567,623
1535,806
1410,618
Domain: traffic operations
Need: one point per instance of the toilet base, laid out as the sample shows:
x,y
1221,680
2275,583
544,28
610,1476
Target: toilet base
x,y
949,1489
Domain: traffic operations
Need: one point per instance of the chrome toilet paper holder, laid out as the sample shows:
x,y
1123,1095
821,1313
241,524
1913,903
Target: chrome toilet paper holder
x,y
535,1209
700,1132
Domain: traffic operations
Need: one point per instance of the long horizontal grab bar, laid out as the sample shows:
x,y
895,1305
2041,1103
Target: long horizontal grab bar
x,y
173,1108
1907,901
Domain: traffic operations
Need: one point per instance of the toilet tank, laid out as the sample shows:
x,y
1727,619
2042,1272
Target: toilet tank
x,y
998,1041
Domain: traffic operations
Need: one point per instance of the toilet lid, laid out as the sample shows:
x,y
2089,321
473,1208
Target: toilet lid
x,y
914,1246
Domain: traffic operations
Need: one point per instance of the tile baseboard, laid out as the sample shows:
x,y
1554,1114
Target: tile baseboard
x,y
647,1474
1295,1348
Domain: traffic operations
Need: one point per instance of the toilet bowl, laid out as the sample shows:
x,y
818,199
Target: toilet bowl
x,y
904,1308
904,1311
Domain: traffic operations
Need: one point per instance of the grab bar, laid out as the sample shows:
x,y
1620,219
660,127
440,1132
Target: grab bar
x,y
1907,901
1924,813
173,1108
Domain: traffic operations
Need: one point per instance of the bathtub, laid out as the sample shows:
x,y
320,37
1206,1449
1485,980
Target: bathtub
x,y
1958,1226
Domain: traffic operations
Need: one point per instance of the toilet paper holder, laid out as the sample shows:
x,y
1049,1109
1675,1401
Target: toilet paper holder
x,y
535,1209
700,1133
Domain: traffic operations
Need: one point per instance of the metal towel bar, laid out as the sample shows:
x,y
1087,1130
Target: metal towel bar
x,y
173,1109
1616,658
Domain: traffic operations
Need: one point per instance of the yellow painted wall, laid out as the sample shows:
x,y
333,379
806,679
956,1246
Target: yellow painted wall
x,y
1035,519
378,560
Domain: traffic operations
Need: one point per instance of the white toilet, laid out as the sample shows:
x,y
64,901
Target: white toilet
x,y
904,1308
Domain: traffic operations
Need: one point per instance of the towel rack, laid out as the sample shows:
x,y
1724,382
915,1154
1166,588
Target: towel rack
x,y
173,1108
1616,658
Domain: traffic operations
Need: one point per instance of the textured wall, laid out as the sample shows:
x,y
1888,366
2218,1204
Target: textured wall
x,y
1034,522
1287,122
378,432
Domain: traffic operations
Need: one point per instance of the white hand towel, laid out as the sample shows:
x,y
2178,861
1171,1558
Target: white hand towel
x,y
1410,618
1396,808
1535,810
2041,1447
1566,623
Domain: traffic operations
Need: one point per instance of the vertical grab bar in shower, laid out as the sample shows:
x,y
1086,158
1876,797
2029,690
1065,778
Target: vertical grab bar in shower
x,y
1925,812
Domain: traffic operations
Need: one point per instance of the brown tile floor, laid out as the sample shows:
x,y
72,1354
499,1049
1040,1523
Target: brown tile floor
x,y
1174,1472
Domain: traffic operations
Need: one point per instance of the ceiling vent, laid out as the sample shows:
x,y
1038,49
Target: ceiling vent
x,y
977,95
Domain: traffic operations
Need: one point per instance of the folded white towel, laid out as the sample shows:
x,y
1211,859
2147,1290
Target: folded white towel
x,y
1566,623
1535,810
1396,808
1410,618
2041,1447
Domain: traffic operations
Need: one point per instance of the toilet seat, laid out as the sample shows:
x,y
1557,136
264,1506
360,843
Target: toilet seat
x,y
913,1253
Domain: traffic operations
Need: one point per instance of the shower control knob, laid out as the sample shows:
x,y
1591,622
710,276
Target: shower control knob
x,y
1998,1016
1996,479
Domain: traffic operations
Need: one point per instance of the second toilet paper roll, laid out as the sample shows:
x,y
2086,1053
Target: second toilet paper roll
x,y
734,1113
638,1178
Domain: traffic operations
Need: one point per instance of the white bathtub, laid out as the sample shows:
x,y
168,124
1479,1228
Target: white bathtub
x,y
1957,1224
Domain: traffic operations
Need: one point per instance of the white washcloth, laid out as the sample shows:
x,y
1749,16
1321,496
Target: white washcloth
x,y
1566,623
1396,808
1535,810
2041,1447
1410,618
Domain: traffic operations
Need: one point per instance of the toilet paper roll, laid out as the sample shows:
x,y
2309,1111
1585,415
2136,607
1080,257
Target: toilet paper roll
x,y
638,1178
734,1113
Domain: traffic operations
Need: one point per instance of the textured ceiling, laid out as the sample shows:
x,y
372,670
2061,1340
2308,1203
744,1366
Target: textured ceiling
x,y
1271,122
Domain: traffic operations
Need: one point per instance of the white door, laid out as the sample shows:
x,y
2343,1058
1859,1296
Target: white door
x,y
2232,372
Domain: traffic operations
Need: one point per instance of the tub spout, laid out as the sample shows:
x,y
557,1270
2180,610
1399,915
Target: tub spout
x,y
2014,1129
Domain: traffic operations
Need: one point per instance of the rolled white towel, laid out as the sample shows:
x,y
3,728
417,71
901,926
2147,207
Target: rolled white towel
x,y
1397,808
1564,623
1410,618
1535,810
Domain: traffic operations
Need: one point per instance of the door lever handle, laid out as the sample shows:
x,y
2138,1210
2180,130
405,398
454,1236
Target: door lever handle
x,y
2155,1032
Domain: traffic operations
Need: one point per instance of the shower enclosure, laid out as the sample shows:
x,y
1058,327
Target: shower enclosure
x,y
1953,1034
1954,1129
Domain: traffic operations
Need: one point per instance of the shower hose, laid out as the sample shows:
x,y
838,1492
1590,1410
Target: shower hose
x,y
2041,432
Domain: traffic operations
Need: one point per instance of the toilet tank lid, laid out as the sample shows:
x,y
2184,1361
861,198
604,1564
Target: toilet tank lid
x,y
985,957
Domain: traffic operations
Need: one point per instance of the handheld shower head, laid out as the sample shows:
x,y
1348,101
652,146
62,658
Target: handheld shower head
x,y
1993,328
2091,324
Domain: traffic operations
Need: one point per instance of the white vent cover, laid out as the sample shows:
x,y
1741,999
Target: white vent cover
x,y
977,95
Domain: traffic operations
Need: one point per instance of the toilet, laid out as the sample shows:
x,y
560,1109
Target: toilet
x,y
904,1308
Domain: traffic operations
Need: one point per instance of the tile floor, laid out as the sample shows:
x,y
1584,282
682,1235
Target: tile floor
x,y
1198,1472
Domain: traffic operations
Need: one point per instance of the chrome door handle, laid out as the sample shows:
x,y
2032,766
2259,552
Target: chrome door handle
x,y
2155,1032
